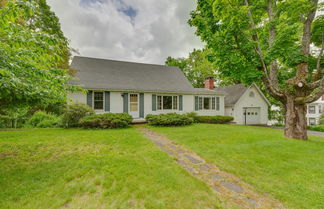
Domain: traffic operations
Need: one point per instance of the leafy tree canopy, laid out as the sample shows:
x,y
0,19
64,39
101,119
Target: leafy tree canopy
x,y
197,67
34,54
270,41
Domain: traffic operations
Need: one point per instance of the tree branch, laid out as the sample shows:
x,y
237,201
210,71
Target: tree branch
x,y
319,70
274,90
272,36
302,68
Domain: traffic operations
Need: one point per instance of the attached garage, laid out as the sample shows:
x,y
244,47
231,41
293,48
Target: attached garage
x,y
247,105
251,115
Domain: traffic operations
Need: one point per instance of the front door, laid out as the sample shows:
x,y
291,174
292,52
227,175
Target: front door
x,y
134,105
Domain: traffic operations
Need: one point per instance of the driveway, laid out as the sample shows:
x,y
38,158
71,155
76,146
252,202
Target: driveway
x,y
310,133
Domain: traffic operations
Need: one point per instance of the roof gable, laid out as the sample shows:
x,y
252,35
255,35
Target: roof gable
x,y
234,93
93,73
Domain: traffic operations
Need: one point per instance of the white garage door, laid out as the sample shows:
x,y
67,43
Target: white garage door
x,y
251,115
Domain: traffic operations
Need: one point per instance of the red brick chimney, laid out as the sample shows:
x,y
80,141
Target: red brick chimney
x,y
322,97
210,83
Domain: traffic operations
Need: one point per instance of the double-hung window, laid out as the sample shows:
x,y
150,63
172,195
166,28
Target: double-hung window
x,y
98,100
167,102
311,110
208,103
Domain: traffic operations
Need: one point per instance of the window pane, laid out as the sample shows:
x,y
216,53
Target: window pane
x,y
133,97
167,102
159,103
200,103
213,103
311,109
175,102
206,103
133,107
98,96
217,103
98,105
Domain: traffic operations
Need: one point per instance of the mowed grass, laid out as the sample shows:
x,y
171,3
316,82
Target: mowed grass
x,y
57,168
289,170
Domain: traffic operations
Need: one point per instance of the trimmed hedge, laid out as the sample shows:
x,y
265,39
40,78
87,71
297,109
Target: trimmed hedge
x,y
316,128
218,119
107,120
170,119
73,114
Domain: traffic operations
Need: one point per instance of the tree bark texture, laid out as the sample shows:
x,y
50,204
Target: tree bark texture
x,y
295,120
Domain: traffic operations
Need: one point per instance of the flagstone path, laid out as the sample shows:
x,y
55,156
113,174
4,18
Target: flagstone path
x,y
228,187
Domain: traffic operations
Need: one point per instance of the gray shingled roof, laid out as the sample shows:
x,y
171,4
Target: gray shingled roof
x,y
93,73
232,93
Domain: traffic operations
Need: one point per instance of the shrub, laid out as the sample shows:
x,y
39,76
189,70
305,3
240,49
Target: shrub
x,y
278,124
218,119
192,115
316,128
170,119
42,119
74,112
107,120
321,120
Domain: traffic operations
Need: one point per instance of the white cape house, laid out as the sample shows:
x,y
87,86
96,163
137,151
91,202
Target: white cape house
x,y
142,89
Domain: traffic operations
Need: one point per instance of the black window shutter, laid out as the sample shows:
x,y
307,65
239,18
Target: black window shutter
x,y
196,103
180,103
107,101
89,98
141,103
125,105
153,102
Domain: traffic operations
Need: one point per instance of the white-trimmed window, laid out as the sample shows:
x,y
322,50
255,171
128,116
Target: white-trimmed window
x,y
166,102
311,110
175,102
200,104
209,103
312,121
98,100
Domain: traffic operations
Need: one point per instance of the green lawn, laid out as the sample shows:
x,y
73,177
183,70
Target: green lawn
x,y
58,168
290,170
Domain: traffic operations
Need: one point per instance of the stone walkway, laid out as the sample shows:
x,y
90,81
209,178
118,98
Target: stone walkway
x,y
228,187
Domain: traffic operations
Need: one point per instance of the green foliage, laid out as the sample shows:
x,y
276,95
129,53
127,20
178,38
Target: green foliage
x,y
197,67
277,115
226,28
42,119
74,112
192,115
321,120
316,128
170,119
218,119
107,120
278,125
318,31
34,55
13,117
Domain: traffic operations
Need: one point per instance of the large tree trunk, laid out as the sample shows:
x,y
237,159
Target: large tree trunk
x,y
295,120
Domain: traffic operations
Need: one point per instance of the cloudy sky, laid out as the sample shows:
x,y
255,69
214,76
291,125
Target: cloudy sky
x,y
133,30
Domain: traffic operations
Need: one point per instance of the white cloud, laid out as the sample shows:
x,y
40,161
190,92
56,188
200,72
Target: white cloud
x,y
133,30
